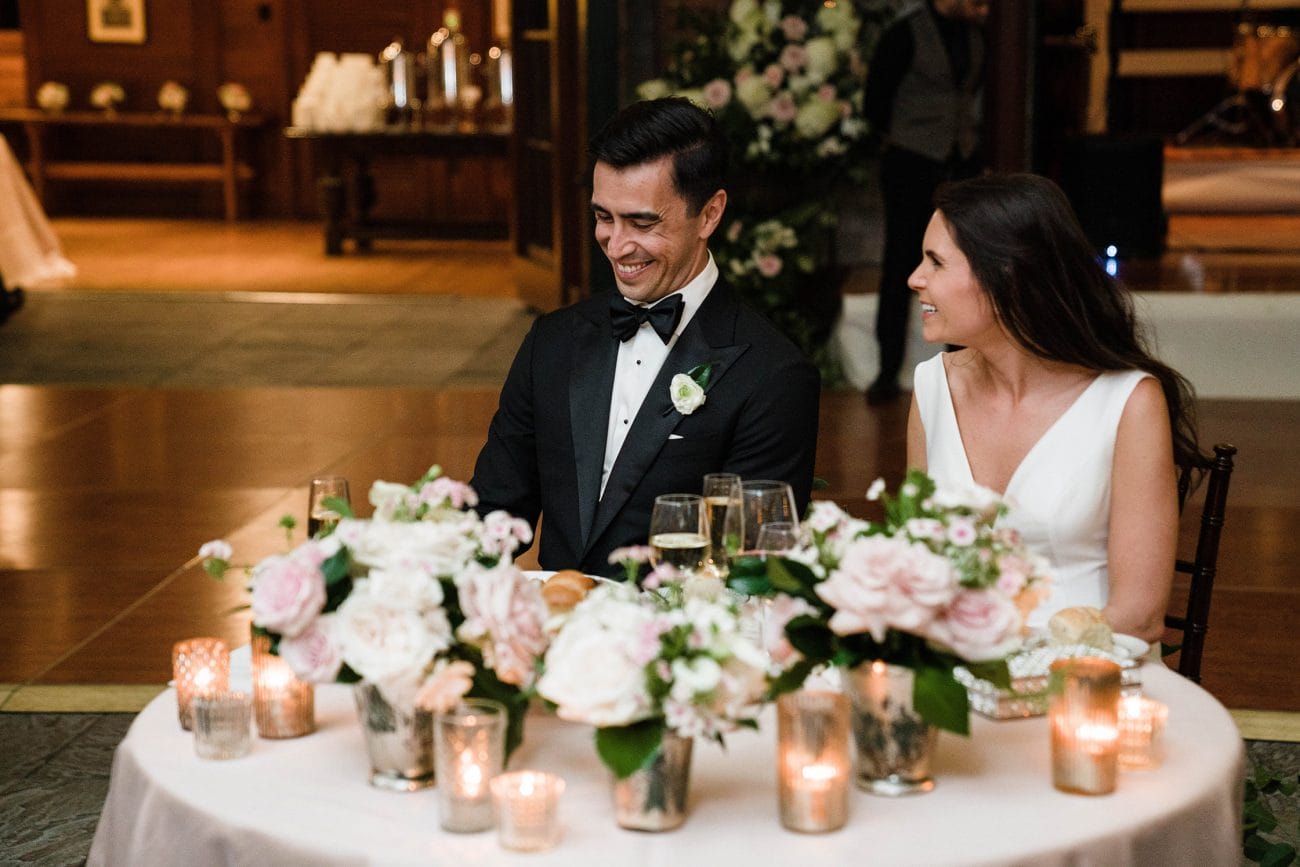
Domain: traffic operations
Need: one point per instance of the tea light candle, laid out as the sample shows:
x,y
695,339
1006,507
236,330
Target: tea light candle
x,y
1141,720
1083,718
469,750
200,666
528,810
813,760
284,705
222,725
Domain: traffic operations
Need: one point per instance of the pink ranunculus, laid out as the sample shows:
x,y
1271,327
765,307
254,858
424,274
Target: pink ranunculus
x,y
794,57
288,593
505,615
769,264
979,625
773,75
717,93
312,654
794,28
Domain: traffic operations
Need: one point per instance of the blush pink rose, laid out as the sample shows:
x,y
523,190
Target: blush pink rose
x,y
448,684
859,589
773,75
769,264
979,625
505,615
312,653
794,27
782,108
288,593
794,57
717,93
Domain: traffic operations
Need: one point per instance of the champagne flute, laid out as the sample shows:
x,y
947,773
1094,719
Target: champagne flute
x,y
764,501
322,515
726,519
679,531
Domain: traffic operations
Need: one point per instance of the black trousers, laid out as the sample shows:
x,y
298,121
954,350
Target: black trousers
x,y
907,184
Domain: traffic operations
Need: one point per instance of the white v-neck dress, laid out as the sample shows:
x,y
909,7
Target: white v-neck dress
x,y
1059,496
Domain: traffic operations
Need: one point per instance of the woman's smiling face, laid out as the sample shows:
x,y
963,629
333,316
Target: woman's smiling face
x,y
954,307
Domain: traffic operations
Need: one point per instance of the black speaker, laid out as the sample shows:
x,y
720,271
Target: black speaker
x,y
1115,186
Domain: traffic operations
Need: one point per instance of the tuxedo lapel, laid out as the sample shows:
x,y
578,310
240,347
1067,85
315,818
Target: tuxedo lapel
x,y
591,384
708,339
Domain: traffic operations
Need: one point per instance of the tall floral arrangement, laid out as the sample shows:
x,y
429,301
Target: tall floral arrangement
x,y
636,663
934,585
422,600
785,79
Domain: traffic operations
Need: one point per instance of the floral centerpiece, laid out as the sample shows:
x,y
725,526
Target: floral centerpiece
x,y
107,95
52,96
234,98
422,600
785,80
173,97
642,663
934,586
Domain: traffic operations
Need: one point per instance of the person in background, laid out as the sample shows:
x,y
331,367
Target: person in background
x,y
923,95
591,426
1054,402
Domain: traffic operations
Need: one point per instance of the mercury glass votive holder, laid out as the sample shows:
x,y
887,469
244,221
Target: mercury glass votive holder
x,y
1141,722
813,763
468,752
1083,715
528,810
223,725
285,706
200,666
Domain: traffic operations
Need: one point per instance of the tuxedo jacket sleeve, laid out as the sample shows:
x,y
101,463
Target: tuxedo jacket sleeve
x,y
546,444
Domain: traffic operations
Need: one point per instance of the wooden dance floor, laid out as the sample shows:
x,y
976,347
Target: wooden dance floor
x,y
106,493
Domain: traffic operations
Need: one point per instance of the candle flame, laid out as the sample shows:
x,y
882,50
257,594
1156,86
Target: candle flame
x,y
818,773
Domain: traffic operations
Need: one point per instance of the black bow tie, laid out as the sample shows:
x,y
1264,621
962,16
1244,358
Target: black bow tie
x,y
627,317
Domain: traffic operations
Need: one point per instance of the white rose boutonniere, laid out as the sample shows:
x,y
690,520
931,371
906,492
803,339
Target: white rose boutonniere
x,y
687,389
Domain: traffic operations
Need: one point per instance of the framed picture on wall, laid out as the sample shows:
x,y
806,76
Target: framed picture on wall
x,y
115,20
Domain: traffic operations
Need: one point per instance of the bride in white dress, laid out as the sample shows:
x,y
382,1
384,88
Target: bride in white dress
x,y
1053,401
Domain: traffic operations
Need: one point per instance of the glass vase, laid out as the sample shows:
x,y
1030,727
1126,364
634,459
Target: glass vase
x,y
654,797
895,746
399,741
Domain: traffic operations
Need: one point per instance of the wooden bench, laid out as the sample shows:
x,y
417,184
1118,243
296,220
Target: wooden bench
x,y
230,172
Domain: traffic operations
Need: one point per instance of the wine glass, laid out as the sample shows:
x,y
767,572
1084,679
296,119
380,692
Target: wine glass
x,y
322,504
776,537
679,532
764,501
726,519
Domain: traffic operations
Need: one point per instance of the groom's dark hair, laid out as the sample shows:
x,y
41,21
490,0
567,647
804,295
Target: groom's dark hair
x,y
673,126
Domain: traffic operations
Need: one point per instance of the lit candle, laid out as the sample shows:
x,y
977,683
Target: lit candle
x,y
1141,720
527,810
813,760
200,666
1083,718
285,706
469,750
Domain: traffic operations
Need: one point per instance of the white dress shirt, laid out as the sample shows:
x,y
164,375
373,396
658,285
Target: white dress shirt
x,y
639,360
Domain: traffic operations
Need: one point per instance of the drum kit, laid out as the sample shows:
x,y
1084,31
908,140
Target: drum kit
x,y
1265,74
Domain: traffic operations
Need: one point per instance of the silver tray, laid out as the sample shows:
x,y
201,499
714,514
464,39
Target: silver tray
x,y
1030,670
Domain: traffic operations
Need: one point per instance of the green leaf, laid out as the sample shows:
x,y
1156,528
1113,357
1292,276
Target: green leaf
x,y
941,700
1254,847
1260,816
336,567
702,374
1278,855
812,638
790,576
820,484
215,567
995,672
750,585
339,506
627,749
791,679
487,685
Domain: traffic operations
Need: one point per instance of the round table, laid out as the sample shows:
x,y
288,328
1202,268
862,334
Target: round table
x,y
307,801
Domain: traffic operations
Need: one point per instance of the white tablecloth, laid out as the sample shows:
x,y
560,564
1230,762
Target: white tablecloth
x,y
306,801
29,251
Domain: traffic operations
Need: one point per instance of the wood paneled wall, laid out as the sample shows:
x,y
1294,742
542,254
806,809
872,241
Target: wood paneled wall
x,y
268,45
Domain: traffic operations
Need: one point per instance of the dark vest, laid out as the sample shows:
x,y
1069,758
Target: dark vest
x,y
932,116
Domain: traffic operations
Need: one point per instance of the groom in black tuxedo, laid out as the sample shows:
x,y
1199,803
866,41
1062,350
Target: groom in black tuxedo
x,y
587,433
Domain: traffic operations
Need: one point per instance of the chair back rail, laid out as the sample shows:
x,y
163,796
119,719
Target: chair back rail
x,y
1194,623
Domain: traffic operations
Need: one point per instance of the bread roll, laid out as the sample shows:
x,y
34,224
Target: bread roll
x,y
1081,625
565,589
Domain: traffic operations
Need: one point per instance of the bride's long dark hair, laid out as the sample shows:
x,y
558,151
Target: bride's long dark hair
x,y
1049,290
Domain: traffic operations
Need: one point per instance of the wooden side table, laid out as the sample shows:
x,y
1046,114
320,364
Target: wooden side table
x,y
347,189
230,172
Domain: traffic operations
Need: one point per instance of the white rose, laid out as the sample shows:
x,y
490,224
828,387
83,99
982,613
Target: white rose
x,y
815,118
589,673
313,654
822,58
386,642
687,394
655,88
692,677
754,94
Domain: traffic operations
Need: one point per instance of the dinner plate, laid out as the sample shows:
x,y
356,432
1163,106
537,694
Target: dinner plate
x,y
1133,647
